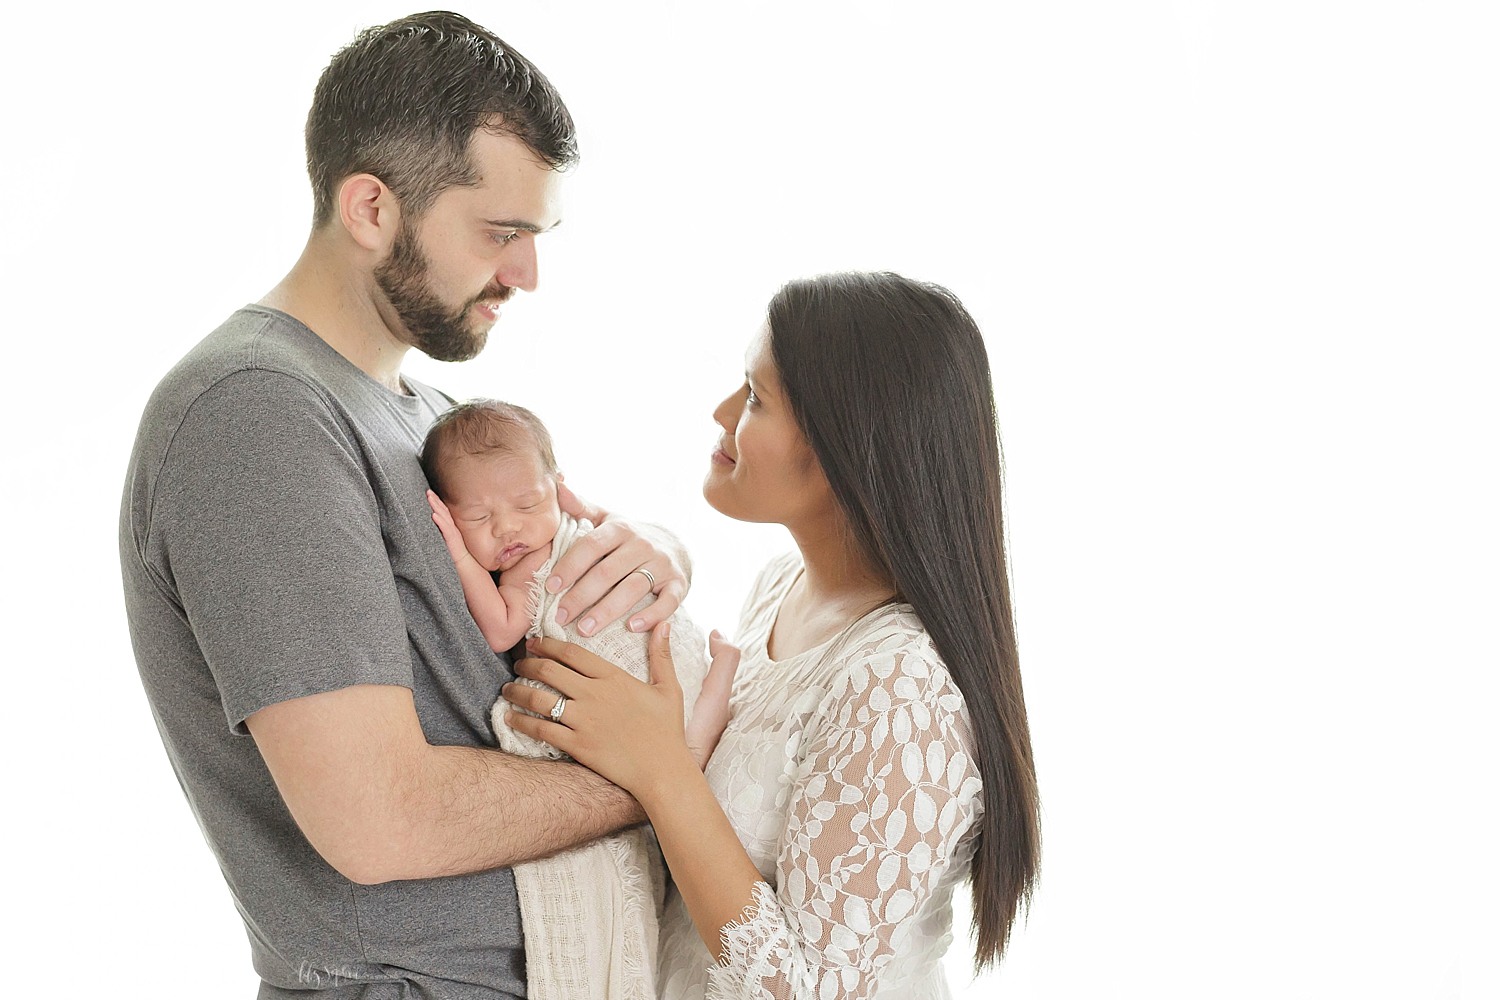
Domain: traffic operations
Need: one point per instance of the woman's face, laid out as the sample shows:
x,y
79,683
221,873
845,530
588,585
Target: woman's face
x,y
763,469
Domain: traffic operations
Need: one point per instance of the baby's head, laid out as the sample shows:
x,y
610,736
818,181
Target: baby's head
x,y
492,464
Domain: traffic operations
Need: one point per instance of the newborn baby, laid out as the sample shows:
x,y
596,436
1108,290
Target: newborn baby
x,y
494,496
589,915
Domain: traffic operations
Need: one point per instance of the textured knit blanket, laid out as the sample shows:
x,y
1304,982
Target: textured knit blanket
x,y
589,915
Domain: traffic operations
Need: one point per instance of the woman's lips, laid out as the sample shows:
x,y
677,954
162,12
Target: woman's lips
x,y
721,457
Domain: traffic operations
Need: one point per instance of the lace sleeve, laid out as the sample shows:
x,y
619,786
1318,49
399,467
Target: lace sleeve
x,y
879,806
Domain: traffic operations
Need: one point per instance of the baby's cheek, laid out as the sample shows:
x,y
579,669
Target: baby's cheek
x,y
474,542
548,528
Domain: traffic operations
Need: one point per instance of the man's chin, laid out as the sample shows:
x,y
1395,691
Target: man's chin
x,y
454,348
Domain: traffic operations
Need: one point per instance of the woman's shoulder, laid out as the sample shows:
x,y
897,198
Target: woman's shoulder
x,y
889,664
893,702
892,633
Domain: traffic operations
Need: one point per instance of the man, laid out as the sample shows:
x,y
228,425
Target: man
x,y
302,635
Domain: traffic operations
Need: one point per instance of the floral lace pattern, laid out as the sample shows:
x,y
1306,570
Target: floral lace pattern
x,y
847,772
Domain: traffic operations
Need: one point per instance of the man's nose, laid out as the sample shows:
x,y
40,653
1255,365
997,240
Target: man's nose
x,y
518,264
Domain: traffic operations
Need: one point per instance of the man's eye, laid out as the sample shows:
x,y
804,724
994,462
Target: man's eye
x,y
504,238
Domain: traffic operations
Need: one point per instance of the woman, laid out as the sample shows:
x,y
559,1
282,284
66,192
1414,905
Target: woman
x,y
878,752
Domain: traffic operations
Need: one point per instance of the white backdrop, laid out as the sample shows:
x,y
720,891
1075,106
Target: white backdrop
x,y
1236,265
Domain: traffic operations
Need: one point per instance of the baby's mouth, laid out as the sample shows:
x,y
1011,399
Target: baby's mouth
x,y
511,552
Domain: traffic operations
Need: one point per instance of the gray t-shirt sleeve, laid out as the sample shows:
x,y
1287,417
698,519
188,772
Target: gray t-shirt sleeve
x,y
265,526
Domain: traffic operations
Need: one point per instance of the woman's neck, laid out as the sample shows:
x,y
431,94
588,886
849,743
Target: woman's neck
x,y
836,587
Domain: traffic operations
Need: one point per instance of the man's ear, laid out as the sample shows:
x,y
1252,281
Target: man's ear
x,y
369,211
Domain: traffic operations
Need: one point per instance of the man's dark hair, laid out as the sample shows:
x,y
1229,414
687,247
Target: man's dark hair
x,y
479,427
402,102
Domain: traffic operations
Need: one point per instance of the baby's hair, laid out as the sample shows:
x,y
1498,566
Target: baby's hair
x,y
479,427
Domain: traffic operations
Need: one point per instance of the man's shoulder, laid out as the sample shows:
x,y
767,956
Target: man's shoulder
x,y
251,340
254,378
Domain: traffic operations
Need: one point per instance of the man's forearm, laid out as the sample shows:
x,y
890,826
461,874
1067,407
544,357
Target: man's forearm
x,y
468,809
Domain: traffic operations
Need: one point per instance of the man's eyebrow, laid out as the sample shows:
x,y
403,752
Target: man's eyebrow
x,y
521,224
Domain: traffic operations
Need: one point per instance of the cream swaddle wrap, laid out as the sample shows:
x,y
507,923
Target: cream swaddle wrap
x,y
589,914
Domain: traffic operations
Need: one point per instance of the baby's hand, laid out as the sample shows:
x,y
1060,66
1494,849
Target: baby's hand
x,y
711,712
440,514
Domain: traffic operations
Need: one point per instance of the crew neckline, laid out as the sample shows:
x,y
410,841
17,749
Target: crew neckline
x,y
775,613
765,643
410,394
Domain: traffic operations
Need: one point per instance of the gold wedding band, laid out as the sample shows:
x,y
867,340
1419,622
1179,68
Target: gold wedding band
x,y
647,574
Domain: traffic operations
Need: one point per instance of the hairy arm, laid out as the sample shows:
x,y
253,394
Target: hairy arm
x,y
379,803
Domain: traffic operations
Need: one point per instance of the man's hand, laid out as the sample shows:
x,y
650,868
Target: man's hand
x,y
601,567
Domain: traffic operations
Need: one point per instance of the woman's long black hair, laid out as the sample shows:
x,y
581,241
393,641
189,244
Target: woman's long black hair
x,y
890,383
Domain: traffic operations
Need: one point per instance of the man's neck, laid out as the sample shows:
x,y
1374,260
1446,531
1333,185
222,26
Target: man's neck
x,y
338,303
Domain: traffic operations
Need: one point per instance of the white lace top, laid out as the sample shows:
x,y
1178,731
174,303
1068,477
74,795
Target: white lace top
x,y
847,772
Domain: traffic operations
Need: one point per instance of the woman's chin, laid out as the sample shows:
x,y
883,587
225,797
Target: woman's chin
x,y
712,490
720,497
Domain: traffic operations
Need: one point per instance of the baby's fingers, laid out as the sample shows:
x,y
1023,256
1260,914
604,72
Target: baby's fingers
x,y
724,662
711,711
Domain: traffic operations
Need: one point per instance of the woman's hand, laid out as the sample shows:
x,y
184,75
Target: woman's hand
x,y
626,730
711,710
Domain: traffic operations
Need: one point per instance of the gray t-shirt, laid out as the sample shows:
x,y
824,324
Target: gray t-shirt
x,y
276,542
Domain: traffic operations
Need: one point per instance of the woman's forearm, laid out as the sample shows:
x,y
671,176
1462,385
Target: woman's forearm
x,y
709,864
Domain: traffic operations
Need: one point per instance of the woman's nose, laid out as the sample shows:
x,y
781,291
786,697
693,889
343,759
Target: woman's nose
x,y
727,413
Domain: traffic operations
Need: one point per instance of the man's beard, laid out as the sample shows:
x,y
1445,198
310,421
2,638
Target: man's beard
x,y
433,328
